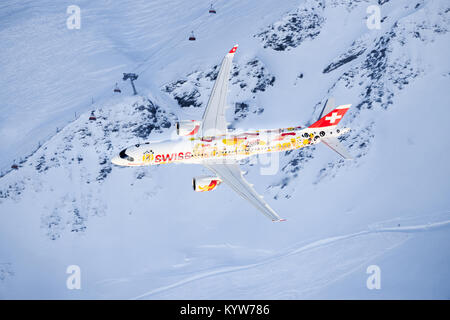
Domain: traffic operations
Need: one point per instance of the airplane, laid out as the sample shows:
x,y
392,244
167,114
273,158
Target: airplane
x,y
208,142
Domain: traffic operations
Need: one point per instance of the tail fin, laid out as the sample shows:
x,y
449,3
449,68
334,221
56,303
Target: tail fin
x,y
332,118
329,105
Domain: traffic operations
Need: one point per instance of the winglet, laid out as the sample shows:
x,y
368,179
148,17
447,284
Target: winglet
x,y
233,50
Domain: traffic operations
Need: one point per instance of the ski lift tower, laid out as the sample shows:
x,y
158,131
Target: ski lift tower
x,y
132,77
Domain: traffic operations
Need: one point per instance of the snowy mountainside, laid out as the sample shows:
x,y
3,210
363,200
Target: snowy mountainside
x,y
383,66
80,157
304,23
245,82
143,233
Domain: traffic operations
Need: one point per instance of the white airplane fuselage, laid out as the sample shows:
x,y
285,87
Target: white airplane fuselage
x,y
194,149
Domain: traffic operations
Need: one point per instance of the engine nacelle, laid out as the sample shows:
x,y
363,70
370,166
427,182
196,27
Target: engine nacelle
x,y
205,183
187,127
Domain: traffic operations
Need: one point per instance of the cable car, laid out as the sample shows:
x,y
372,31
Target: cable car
x,y
116,89
192,37
92,117
212,10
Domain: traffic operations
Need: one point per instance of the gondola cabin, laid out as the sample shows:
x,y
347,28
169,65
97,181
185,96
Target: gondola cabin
x,y
92,117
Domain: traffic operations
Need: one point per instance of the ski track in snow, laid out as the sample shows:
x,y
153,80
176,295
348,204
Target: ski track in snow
x,y
296,251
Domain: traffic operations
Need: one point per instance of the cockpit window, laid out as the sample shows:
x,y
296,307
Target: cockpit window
x,y
123,155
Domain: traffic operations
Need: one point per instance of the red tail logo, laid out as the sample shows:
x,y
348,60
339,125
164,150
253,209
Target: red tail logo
x,y
233,50
332,118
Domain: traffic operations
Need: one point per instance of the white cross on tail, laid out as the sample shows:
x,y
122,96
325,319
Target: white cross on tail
x,y
334,116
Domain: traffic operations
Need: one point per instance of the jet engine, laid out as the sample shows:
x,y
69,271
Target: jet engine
x,y
187,127
205,183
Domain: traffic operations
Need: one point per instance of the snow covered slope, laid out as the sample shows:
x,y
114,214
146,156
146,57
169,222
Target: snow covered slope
x,y
142,232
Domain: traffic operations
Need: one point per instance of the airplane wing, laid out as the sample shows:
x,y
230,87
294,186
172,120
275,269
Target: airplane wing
x,y
336,146
214,122
232,175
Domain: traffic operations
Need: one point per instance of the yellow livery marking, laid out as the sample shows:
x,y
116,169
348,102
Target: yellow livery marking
x,y
233,141
147,157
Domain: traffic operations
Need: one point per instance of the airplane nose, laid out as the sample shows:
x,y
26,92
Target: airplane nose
x,y
116,160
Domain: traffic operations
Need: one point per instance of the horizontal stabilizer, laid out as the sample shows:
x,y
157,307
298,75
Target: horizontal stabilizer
x,y
336,146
